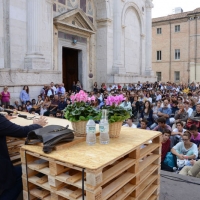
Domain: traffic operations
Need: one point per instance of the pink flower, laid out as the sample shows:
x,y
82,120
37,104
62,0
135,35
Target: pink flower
x,y
72,97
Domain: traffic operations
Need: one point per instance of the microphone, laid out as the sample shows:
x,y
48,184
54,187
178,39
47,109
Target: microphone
x,y
23,116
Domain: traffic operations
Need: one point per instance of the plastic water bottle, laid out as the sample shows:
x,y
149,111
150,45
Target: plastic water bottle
x,y
91,132
104,128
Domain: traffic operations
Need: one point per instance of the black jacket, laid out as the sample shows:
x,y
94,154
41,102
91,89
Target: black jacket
x,y
7,128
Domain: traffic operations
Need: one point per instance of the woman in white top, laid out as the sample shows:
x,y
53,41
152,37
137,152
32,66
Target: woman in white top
x,y
187,108
148,98
129,123
127,105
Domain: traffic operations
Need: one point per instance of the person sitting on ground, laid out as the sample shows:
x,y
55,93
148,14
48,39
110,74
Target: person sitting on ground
x,y
16,104
144,124
45,105
177,134
135,106
195,138
185,150
32,111
162,125
51,114
165,111
181,115
28,105
193,170
156,107
59,114
54,105
127,105
129,123
165,149
62,104
49,91
194,118
188,109
147,113
174,108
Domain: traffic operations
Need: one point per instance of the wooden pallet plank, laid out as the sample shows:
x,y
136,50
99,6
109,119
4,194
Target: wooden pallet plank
x,y
75,178
117,169
42,180
153,197
76,194
123,192
117,184
147,161
148,149
38,164
148,182
39,193
56,169
148,192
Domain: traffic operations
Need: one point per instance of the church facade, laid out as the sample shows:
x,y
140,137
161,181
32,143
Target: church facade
x,y
108,41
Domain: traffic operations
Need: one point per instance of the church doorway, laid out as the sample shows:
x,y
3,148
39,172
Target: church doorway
x,y
70,66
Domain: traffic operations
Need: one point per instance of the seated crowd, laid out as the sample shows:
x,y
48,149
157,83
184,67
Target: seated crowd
x,y
173,110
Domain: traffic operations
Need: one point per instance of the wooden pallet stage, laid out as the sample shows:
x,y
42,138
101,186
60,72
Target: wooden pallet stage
x,y
118,171
14,145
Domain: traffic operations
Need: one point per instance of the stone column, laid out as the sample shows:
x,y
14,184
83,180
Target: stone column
x,y
148,66
117,34
34,58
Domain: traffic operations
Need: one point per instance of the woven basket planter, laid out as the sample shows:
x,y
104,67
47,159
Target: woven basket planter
x,y
79,128
115,129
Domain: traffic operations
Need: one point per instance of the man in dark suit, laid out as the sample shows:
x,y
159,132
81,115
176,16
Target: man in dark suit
x,y
10,176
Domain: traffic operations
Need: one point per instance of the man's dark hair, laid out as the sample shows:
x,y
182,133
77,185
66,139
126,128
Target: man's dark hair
x,y
145,121
161,120
166,131
181,123
193,128
32,110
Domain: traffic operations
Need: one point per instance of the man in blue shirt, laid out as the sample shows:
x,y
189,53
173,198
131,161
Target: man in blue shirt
x,y
165,111
62,104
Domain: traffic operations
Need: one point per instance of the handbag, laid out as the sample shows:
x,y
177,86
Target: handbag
x,y
50,136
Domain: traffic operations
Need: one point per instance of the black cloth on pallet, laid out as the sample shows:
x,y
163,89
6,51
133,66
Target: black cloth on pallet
x,y
50,136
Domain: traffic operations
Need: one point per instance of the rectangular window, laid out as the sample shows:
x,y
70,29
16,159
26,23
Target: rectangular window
x,y
177,28
177,54
159,55
177,76
159,30
159,76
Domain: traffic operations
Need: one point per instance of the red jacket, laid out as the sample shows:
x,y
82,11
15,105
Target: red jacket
x,y
165,149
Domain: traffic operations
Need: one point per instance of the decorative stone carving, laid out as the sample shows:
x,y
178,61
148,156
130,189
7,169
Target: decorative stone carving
x,y
149,4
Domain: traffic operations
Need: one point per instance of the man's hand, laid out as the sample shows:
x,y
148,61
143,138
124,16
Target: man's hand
x,y
42,121
192,162
181,157
8,117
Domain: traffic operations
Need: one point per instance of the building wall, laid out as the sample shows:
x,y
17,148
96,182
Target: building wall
x,y
187,40
29,43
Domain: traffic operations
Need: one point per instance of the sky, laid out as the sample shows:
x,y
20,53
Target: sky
x,y
164,7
